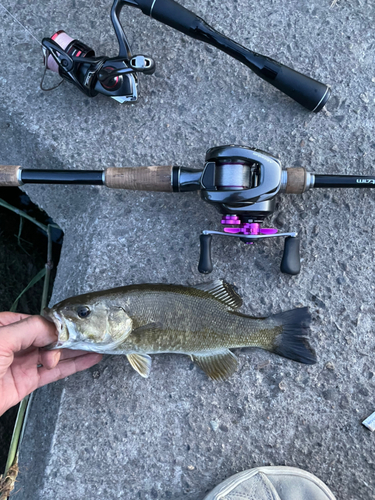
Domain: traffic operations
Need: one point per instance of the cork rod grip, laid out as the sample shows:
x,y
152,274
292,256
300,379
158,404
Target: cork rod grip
x,y
296,180
9,175
140,178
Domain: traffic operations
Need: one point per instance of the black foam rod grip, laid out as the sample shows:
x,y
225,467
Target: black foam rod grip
x,y
205,262
291,263
305,90
170,13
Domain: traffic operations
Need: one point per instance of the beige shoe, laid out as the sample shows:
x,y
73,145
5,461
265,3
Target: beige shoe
x,y
272,483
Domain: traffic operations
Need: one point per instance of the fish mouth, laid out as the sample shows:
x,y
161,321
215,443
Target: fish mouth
x,y
62,330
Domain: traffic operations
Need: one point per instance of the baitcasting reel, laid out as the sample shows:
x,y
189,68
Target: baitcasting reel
x,y
240,182
116,77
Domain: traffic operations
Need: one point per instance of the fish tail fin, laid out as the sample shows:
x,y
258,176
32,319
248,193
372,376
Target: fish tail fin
x,y
292,341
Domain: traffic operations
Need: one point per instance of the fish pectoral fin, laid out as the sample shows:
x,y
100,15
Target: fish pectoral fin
x,y
223,292
141,363
218,366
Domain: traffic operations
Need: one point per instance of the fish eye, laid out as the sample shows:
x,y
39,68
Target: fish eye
x,y
83,311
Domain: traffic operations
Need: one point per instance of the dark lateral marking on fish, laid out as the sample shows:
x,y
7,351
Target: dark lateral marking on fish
x,y
150,327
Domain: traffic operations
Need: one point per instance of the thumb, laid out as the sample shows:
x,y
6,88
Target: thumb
x,y
32,331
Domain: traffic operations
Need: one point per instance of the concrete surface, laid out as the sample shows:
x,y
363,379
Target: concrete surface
x,y
108,433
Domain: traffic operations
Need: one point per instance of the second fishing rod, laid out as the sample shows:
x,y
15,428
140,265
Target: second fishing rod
x,y
241,182
117,77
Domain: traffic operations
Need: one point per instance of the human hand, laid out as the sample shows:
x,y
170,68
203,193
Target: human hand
x,y
21,339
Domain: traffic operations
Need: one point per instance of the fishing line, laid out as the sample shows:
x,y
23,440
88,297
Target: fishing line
x,y
45,51
19,22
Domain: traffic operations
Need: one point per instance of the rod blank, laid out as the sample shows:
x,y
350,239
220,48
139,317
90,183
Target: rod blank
x,y
344,181
86,177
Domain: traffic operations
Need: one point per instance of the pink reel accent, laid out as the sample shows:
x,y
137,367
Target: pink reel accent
x,y
62,39
245,228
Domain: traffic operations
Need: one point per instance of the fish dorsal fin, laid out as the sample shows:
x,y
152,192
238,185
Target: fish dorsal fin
x,y
222,291
218,366
141,363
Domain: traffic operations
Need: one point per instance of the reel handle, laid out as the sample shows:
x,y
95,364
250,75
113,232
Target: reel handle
x,y
291,263
9,176
140,178
205,263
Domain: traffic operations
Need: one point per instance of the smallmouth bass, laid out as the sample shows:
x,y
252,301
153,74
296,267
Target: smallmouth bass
x,y
200,321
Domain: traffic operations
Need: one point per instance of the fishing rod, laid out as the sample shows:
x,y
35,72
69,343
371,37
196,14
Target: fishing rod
x,y
117,77
241,182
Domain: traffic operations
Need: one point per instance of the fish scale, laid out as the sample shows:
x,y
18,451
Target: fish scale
x,y
211,326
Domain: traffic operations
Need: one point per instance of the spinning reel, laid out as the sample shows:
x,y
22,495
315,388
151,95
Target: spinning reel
x,y
240,182
116,77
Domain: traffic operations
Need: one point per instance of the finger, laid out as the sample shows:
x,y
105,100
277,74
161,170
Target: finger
x,y
10,317
49,359
71,353
67,367
33,330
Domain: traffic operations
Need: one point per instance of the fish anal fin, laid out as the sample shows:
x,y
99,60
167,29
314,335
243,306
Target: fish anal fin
x,y
141,363
222,291
217,366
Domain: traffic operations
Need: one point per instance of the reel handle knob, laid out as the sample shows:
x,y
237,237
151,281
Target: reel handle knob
x,y
290,263
205,263
143,64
